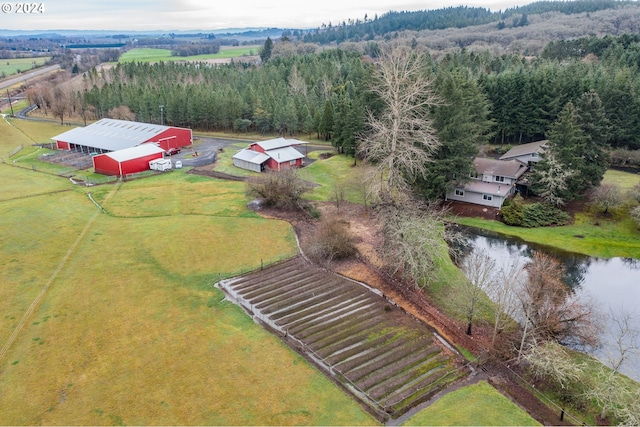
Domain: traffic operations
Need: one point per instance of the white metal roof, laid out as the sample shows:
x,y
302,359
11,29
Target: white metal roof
x,y
251,156
134,152
111,134
273,144
285,154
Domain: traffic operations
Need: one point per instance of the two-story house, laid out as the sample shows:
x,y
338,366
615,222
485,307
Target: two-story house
x,y
493,182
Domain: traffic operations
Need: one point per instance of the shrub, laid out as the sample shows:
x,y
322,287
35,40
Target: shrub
x,y
635,214
543,214
512,211
280,189
332,240
515,212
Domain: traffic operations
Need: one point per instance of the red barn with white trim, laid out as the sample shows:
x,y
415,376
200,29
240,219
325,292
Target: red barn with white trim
x,y
127,161
111,135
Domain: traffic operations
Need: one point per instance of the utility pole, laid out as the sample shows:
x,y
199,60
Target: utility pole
x,y
162,115
10,103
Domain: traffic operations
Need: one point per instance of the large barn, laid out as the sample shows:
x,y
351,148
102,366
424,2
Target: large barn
x,y
130,160
108,135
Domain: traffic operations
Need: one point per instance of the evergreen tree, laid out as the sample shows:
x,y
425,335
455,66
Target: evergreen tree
x,y
463,126
267,49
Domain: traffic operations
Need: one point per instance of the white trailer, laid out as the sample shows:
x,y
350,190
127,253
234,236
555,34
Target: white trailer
x,y
160,164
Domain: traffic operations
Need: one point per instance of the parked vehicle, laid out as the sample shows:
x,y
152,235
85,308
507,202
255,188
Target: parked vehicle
x,y
172,151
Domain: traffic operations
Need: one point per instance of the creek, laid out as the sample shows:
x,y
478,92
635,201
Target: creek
x,y
613,284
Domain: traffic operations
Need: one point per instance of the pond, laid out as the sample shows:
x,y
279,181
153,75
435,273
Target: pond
x,y
614,284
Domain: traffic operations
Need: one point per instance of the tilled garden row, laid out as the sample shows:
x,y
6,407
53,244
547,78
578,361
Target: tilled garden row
x,y
385,357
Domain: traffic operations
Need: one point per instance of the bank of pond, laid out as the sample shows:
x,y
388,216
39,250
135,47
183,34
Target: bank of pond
x,y
613,284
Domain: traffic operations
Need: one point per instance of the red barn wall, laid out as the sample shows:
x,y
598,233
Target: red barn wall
x,y
273,164
105,165
62,145
256,147
173,138
140,164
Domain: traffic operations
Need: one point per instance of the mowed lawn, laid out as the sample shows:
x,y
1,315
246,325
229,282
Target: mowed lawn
x,y
475,405
132,330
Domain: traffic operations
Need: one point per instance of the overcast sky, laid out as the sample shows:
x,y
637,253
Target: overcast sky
x,y
212,14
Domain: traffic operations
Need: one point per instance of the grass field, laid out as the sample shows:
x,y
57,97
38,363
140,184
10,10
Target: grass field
x,y
9,67
156,55
475,405
130,329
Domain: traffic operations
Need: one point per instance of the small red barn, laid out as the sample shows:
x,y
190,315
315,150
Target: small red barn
x,y
275,154
127,161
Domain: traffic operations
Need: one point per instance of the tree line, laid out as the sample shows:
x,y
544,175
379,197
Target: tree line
x,y
301,94
450,17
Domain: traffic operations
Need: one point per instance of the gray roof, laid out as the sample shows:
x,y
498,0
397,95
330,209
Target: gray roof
x,y
134,152
525,149
506,168
276,143
111,134
487,188
285,154
251,156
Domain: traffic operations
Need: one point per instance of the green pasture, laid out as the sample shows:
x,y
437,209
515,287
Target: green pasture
x,y
156,55
336,173
475,405
16,106
9,67
132,330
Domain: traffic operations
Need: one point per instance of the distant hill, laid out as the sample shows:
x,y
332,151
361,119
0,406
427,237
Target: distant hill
x,y
451,17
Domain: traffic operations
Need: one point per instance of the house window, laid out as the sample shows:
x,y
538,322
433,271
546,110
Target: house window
x,y
475,175
459,192
499,178
292,162
487,197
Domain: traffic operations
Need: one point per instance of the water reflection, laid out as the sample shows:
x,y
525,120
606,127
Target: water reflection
x,y
614,283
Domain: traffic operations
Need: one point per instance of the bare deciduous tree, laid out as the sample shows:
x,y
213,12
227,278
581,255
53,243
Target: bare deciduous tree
x,y
635,214
121,113
606,196
551,310
414,241
281,189
480,269
401,140
549,360
332,240
624,337
503,293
